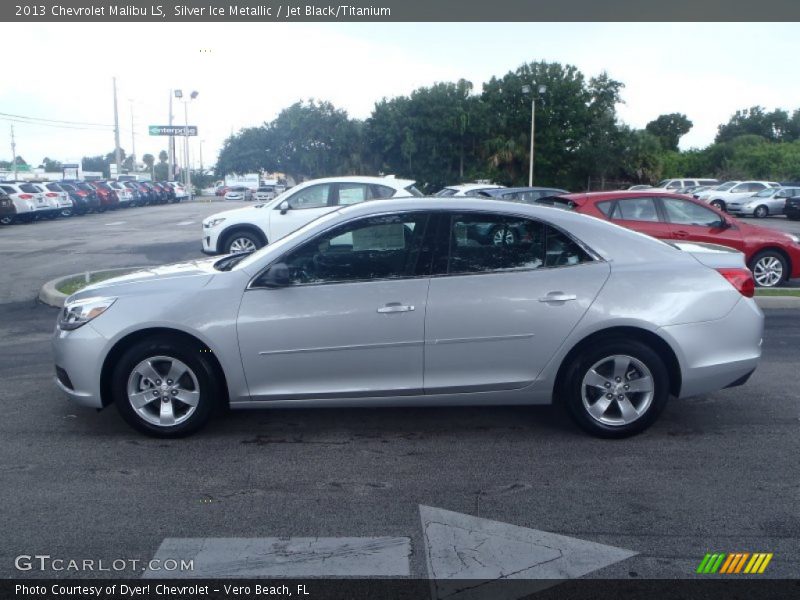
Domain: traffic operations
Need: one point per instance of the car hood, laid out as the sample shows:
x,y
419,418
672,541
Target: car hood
x,y
184,276
236,213
763,233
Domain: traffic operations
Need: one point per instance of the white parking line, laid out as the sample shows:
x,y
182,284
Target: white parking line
x,y
181,223
115,223
287,557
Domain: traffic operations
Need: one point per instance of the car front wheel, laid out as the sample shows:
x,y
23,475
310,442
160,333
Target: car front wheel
x,y
616,388
719,204
769,268
761,211
243,241
165,387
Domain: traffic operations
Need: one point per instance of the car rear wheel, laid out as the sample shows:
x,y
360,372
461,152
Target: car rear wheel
x,y
616,388
769,268
6,220
719,204
66,212
761,211
165,387
242,241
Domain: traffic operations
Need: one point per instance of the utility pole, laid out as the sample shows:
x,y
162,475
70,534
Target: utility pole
x,y
133,140
118,154
186,148
171,144
13,153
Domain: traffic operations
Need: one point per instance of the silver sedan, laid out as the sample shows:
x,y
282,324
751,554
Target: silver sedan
x,y
411,302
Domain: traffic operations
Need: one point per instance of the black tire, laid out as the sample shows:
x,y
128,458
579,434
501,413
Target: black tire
x,y
571,392
766,255
7,220
761,212
66,212
793,217
191,354
233,237
719,204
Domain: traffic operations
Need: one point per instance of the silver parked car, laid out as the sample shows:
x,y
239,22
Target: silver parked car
x,y
765,203
410,302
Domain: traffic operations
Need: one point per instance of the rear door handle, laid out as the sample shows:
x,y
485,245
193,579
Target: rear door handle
x,y
558,297
681,234
395,307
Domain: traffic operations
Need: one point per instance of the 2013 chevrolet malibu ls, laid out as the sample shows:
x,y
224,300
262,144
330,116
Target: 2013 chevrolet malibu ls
x,y
405,302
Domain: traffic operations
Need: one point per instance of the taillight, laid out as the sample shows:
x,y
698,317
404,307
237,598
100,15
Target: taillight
x,y
25,196
741,279
51,195
82,193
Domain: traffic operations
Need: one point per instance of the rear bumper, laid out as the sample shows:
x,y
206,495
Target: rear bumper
x,y
717,354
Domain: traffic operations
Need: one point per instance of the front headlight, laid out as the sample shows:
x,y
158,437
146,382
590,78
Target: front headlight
x,y
77,313
213,222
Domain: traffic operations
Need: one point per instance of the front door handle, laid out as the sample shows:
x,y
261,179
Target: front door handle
x,y
395,307
558,297
681,234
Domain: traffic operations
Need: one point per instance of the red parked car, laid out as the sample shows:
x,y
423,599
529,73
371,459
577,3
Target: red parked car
x,y
106,194
773,256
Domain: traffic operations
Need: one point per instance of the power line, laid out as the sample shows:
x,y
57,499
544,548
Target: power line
x,y
55,120
10,119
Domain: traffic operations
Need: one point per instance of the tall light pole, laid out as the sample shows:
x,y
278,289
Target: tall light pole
x,y
133,139
13,153
171,146
192,96
528,89
117,152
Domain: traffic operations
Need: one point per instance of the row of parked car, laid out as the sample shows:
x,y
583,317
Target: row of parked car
x,y
26,201
773,256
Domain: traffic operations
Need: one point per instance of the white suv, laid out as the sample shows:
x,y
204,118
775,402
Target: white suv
x,y
734,190
248,229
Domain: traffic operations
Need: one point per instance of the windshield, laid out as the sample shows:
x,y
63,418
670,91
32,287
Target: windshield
x,y
726,186
663,183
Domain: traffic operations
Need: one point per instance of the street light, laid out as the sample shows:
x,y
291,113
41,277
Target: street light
x,y
528,89
192,96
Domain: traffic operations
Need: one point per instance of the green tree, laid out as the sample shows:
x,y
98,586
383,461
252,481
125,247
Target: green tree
x,y
774,126
163,156
51,166
149,160
669,129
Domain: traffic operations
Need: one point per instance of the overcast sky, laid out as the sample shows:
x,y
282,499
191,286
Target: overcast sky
x,y
246,73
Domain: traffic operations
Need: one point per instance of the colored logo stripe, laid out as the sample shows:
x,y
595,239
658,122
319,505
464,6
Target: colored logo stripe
x,y
734,562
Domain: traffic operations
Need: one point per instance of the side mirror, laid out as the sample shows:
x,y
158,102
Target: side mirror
x,y
725,224
284,206
276,276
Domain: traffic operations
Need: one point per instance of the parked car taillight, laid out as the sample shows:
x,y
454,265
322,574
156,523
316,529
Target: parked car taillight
x,y
741,279
82,193
25,196
51,195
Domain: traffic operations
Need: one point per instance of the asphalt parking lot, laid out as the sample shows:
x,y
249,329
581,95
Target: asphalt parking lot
x,y
717,473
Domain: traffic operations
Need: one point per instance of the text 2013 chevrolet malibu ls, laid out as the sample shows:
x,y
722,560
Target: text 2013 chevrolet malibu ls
x,y
419,302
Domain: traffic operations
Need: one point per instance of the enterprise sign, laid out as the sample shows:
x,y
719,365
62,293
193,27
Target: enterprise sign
x,y
172,130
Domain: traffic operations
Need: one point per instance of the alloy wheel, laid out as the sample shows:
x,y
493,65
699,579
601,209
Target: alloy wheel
x,y
617,390
768,271
242,244
761,212
503,236
163,391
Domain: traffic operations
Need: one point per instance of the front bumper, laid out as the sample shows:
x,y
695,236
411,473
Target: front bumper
x,y
210,239
79,354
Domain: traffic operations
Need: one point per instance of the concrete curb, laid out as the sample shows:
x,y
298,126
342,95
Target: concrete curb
x,y
50,295
778,301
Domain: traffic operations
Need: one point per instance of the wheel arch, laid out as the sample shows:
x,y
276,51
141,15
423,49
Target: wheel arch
x,y
651,339
128,340
226,233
